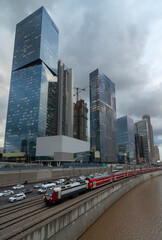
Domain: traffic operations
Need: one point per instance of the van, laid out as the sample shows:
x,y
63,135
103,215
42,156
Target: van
x,y
45,186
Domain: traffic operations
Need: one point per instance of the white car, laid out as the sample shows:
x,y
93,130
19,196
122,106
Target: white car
x,y
45,186
18,186
60,181
6,193
38,185
81,178
17,197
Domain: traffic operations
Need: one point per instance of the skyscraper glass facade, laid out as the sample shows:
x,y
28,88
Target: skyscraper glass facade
x,y
125,137
141,128
31,99
103,117
36,38
151,136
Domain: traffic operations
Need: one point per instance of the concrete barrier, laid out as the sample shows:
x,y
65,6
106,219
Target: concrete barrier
x,y
73,223
12,177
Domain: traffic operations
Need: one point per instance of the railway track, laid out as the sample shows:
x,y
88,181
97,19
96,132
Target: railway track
x,y
17,208
36,214
11,228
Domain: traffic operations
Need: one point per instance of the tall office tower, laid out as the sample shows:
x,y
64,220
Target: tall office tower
x,y
31,106
157,154
65,101
125,137
103,135
147,117
141,128
139,149
80,120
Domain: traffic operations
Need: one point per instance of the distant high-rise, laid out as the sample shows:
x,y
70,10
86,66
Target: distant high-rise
x,y
151,137
125,137
103,136
80,120
65,101
142,129
31,106
140,158
157,154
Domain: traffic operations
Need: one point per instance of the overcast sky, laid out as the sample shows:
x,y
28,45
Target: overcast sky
x,y
122,38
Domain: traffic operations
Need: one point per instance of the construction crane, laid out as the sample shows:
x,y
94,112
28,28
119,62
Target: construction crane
x,y
78,90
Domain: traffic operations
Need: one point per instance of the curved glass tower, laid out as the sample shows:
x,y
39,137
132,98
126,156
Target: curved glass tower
x,y
32,98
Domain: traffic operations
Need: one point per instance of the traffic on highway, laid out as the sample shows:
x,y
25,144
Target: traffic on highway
x,y
64,187
20,192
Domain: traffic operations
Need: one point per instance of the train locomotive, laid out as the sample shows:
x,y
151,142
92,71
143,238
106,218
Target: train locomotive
x,y
56,194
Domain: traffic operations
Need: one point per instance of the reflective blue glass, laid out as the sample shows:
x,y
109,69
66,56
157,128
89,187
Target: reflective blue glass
x,y
103,116
49,42
28,105
125,137
32,99
36,38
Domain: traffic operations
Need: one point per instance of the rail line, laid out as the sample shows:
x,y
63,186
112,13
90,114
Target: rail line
x,y
12,229
20,218
29,221
19,208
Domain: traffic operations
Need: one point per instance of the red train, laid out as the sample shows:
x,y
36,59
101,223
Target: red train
x,y
54,194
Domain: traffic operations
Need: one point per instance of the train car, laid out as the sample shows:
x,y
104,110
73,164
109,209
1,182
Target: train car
x,y
54,194
119,175
97,181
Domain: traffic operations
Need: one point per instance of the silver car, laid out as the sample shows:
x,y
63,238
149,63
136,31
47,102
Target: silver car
x,y
38,185
18,186
6,193
17,197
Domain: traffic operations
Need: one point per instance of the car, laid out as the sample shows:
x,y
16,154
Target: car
x,y
38,185
60,181
27,190
6,193
18,186
17,197
81,178
47,181
72,180
45,186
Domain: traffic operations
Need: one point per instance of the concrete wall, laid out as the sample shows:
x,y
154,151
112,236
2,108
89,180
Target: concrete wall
x,y
12,177
72,224
61,156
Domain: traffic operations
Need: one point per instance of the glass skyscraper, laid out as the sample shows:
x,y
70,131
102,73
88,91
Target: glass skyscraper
x,y
141,128
32,98
103,136
125,137
151,136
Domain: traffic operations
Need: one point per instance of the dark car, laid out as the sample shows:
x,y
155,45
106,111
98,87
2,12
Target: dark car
x,y
27,190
